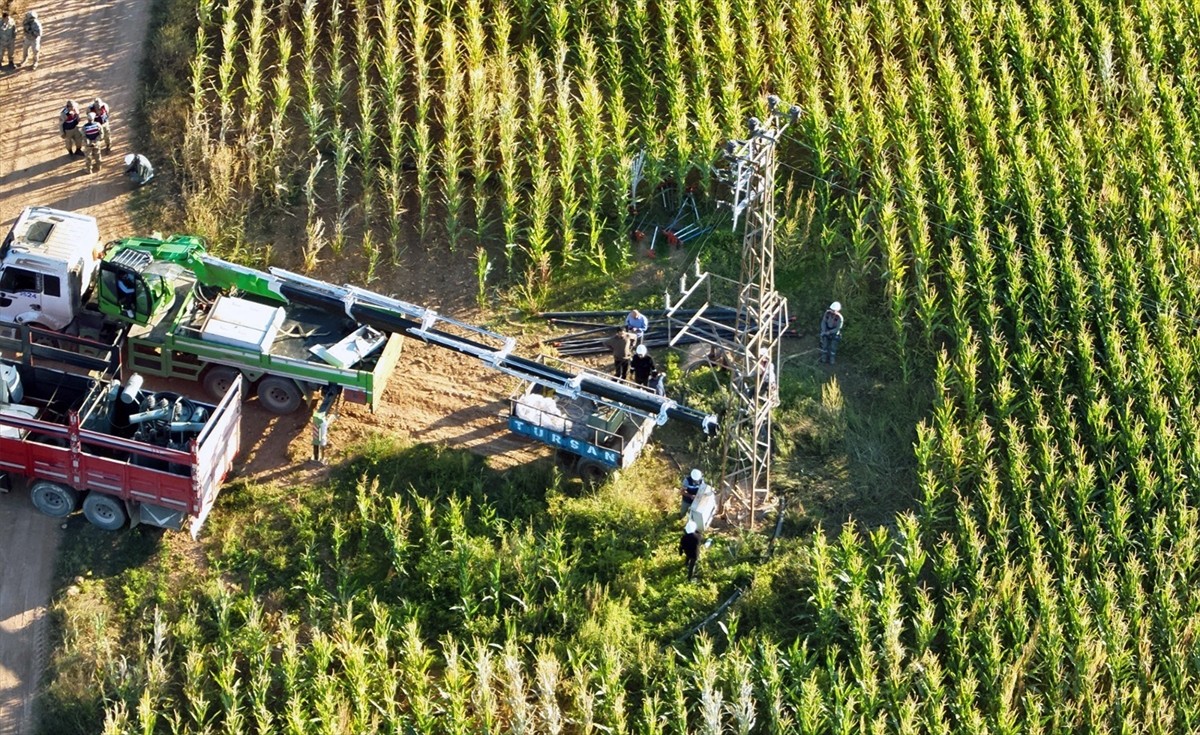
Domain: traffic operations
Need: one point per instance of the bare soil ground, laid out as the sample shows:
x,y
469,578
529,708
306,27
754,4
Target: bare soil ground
x,y
28,542
89,49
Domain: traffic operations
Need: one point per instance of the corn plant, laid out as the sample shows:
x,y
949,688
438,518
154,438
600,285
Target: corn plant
x,y
313,110
452,152
508,148
226,82
315,239
422,135
480,112
253,81
280,131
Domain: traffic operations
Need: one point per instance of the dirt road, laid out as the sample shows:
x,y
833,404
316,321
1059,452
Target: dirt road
x,y
89,49
28,541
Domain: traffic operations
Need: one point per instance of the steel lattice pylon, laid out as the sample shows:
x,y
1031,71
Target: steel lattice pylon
x,y
751,347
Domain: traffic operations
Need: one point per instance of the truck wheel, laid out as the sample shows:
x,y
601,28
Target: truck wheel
x,y
57,501
279,395
591,471
217,380
104,511
565,460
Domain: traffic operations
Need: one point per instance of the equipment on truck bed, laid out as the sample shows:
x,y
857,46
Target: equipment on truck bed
x,y
122,453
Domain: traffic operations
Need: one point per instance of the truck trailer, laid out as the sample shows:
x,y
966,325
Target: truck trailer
x,y
121,453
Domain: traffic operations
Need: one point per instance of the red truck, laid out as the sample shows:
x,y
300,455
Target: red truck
x,y
123,454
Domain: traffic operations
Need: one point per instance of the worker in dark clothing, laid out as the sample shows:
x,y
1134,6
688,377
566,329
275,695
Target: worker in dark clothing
x,y
689,546
621,345
643,366
127,293
691,488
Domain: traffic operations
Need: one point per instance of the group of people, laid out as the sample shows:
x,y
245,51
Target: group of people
x,y
31,29
692,539
631,356
86,133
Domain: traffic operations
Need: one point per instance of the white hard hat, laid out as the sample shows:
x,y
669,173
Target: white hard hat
x,y
835,306
91,116
32,13
697,475
690,527
128,159
641,349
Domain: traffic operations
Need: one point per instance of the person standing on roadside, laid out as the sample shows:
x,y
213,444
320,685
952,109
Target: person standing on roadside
x,y
69,122
32,28
831,332
621,345
100,110
8,40
92,133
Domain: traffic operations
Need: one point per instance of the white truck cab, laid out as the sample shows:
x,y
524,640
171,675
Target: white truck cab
x,y
47,263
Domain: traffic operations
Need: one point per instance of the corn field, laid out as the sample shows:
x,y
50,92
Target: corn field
x,y
505,125
1019,180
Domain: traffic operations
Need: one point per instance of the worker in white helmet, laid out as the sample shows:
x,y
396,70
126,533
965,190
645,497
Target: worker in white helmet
x,y
138,169
643,366
689,546
831,332
692,482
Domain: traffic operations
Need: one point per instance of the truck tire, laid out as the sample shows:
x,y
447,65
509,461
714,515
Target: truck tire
x,y
565,460
279,395
591,471
104,511
217,380
56,501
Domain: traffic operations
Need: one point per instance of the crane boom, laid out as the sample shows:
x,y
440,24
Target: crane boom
x,y
393,315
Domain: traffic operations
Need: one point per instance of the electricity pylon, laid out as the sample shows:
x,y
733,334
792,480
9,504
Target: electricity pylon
x,y
750,348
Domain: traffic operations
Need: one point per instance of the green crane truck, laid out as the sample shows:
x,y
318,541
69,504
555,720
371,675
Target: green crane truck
x,y
180,314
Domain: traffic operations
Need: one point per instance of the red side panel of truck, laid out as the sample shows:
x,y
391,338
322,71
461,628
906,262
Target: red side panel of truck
x,y
186,481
